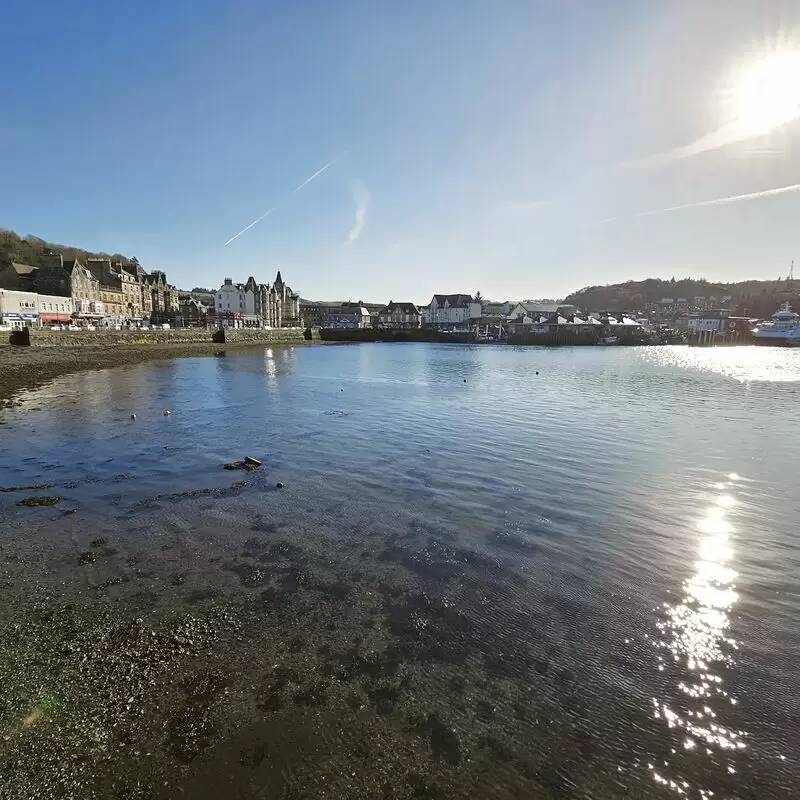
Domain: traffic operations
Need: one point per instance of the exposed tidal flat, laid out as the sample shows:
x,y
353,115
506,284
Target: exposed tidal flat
x,y
476,581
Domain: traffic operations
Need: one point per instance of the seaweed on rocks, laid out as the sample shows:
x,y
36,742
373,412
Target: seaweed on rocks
x,y
34,502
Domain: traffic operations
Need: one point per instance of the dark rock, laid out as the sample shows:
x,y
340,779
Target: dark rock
x,y
87,557
39,501
248,464
443,740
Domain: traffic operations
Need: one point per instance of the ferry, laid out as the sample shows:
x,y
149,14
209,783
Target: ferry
x,y
784,329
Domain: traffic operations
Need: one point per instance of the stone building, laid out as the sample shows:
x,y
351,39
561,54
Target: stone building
x,y
259,305
131,295
111,294
18,278
52,278
84,291
164,298
194,314
399,316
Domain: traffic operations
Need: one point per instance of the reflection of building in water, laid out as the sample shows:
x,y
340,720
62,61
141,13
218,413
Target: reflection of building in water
x,y
695,634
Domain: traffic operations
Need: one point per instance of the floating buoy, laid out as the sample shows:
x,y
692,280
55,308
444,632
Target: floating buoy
x,y
537,371
465,380
279,485
167,412
133,416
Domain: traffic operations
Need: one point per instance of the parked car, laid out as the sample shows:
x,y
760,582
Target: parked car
x,y
91,328
165,326
56,328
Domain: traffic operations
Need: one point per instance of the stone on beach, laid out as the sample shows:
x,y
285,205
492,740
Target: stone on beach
x,y
248,463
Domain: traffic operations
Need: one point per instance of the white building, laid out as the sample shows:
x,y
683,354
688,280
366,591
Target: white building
x,y
53,310
256,305
229,302
452,311
31,310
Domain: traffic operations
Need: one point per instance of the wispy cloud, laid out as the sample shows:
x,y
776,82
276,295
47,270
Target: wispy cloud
x,y
296,189
362,198
719,201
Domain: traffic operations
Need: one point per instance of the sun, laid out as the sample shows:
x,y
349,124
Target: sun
x,y
767,93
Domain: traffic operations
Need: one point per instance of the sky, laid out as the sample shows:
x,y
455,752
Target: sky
x,y
522,148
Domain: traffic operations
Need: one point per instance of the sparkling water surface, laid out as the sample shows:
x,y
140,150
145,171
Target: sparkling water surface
x,y
558,572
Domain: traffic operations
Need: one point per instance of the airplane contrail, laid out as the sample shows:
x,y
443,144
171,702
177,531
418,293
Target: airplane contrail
x,y
719,201
243,230
296,189
317,173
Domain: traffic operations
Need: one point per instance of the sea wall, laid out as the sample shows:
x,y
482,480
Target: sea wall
x,y
376,335
257,335
160,337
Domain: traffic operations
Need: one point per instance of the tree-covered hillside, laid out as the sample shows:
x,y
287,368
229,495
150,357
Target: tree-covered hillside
x,y
28,249
753,298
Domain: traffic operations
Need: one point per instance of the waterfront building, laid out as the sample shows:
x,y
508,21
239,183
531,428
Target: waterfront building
x,y
18,277
399,316
131,295
51,277
348,315
111,294
452,311
164,300
253,304
194,314
18,309
54,309
32,310
315,315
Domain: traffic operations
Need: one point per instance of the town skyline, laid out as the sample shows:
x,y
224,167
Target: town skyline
x,y
378,151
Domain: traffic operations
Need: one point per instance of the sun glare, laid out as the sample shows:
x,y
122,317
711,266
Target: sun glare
x,y
767,94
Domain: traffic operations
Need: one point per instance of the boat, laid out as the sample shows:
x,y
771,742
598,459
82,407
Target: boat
x,y
608,340
783,329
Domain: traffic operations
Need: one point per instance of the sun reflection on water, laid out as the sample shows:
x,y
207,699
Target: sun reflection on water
x,y
767,364
695,637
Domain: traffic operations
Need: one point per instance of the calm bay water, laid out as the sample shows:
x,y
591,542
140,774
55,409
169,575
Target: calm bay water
x,y
478,581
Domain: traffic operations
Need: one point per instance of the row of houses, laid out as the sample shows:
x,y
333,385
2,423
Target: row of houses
x,y
451,312
101,291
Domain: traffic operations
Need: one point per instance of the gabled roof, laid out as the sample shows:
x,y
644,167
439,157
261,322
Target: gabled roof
x,y
22,269
452,300
406,308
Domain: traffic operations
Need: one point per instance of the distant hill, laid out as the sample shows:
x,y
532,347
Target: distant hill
x,y
751,298
28,250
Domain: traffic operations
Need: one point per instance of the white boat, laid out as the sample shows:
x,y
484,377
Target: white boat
x,y
784,329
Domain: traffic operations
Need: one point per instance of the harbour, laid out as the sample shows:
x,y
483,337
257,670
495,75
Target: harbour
x,y
489,570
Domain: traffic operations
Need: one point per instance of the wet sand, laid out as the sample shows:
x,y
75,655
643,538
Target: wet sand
x,y
24,368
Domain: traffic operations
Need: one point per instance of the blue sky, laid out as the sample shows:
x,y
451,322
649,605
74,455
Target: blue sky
x,y
483,145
